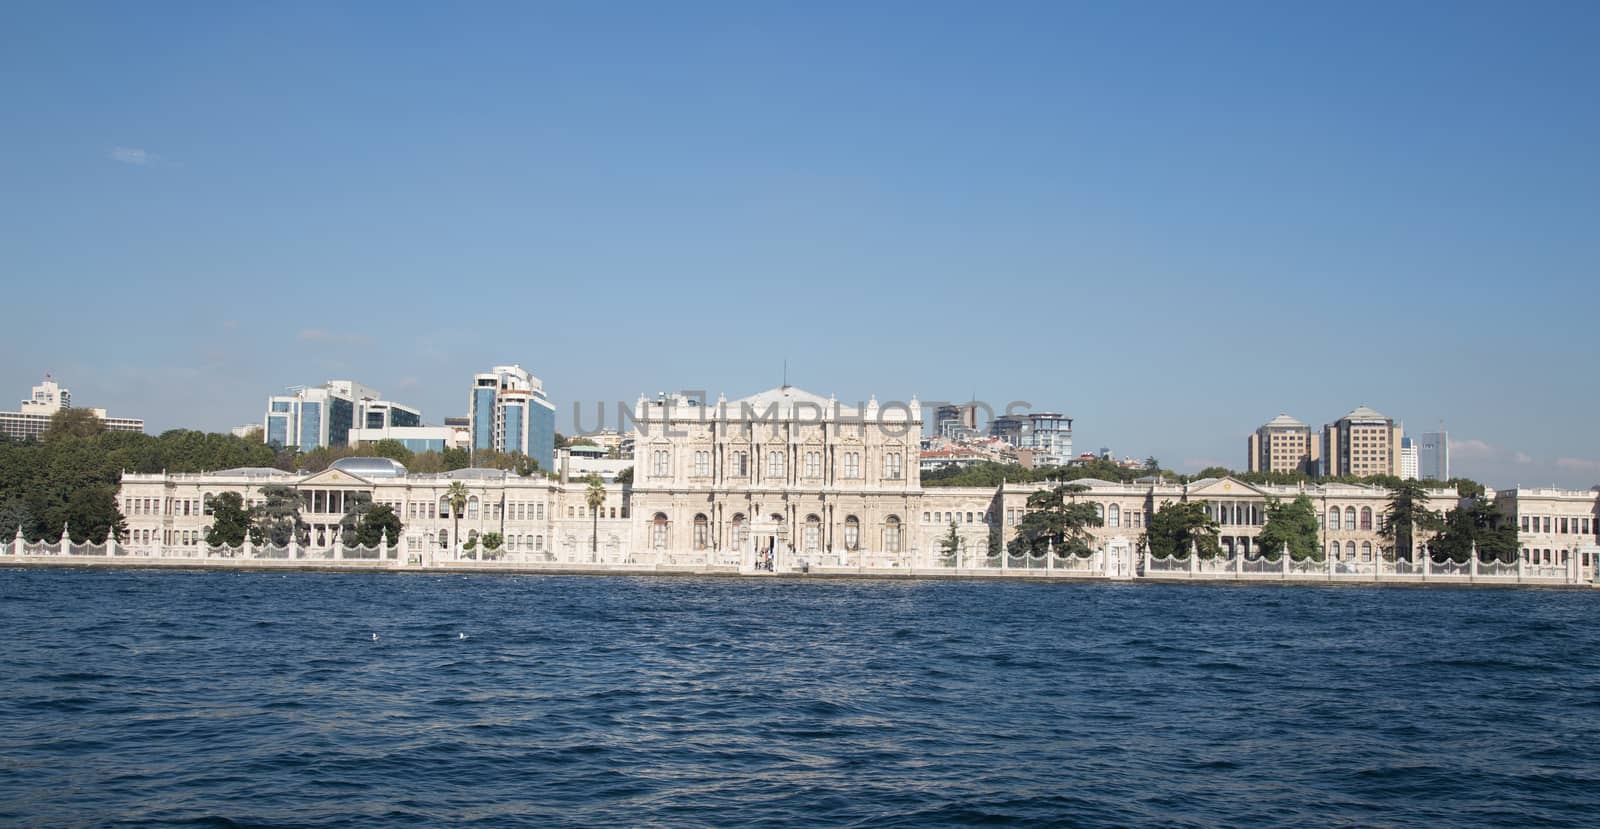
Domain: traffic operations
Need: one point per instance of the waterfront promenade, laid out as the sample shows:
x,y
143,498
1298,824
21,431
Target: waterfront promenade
x,y
1097,567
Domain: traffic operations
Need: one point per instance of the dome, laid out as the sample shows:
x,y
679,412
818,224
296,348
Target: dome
x,y
370,467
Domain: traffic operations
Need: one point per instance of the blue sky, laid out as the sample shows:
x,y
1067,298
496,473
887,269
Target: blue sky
x,y
1170,220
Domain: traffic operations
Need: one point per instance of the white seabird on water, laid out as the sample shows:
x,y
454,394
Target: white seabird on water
x,y
374,637
461,636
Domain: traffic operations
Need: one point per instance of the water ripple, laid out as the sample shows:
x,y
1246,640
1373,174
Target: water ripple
x,y
262,700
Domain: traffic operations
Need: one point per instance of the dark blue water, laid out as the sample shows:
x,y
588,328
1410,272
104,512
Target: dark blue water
x,y
261,700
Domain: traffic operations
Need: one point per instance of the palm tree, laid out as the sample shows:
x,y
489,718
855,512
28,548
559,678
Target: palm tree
x,y
457,496
595,498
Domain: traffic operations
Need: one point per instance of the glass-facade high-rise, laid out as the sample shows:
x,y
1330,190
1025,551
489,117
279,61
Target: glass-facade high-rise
x,y
328,415
483,431
509,413
513,427
310,425
341,412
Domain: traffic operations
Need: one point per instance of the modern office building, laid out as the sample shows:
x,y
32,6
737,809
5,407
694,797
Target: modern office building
x,y
415,438
1045,436
509,412
45,399
1433,455
958,422
1408,459
1284,444
311,417
1363,442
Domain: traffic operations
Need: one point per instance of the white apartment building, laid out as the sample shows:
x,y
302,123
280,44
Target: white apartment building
x,y
43,401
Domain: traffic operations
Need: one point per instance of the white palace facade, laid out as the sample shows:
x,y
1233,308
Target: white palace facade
x,y
781,479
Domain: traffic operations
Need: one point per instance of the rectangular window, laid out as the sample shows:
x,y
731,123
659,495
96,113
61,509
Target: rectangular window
x,y
852,464
702,463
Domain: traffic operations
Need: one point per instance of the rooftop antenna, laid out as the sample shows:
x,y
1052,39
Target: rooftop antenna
x,y
786,372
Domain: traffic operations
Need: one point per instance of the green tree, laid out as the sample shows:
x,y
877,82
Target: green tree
x,y
1055,520
1176,527
951,544
491,544
356,508
1476,524
456,497
1408,519
374,522
1293,525
14,515
277,517
455,457
230,520
393,450
625,477
72,423
595,497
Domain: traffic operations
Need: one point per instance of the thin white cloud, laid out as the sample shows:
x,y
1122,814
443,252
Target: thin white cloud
x,y
1472,448
1522,457
323,335
1578,464
135,156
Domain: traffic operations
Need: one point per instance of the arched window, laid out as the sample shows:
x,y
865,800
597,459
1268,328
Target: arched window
x,y
852,464
774,464
852,533
658,532
1366,518
741,531
891,465
1100,512
891,534
660,462
702,464
1349,518
740,463
1333,518
1366,551
444,539
813,538
1350,550
813,464
1113,516
472,508
702,537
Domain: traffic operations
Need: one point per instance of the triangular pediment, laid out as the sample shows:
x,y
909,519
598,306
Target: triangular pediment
x,y
1227,487
334,477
